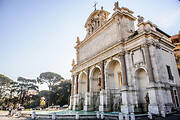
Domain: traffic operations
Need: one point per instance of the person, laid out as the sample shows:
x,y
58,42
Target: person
x,y
10,109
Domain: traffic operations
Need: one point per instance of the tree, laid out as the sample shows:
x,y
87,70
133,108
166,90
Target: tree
x,y
5,83
22,87
62,92
50,79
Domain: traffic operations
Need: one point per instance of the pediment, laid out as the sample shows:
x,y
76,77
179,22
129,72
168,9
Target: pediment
x,y
97,14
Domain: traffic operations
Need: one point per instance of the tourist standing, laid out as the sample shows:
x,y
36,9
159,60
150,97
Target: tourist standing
x,y
10,109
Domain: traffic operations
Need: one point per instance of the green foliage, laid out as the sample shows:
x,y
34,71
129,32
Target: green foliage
x,y
59,95
4,89
49,78
21,89
62,92
16,92
4,79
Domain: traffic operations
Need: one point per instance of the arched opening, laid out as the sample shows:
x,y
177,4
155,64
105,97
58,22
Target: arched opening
x,y
113,75
82,89
82,84
113,84
142,82
95,87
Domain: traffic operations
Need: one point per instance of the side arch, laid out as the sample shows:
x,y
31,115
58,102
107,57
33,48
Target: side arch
x,y
95,79
142,83
82,83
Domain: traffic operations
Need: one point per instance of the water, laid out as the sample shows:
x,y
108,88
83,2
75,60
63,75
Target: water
x,y
72,112
66,112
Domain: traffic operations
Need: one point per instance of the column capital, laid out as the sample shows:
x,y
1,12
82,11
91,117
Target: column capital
x,y
122,53
145,44
151,42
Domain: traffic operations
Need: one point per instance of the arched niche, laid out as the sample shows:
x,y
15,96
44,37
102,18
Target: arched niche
x,y
95,82
82,83
113,75
142,82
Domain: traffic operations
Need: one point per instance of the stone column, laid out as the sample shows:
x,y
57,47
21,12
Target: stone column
x,y
72,86
87,79
104,93
77,77
148,62
76,101
88,96
153,106
126,107
123,66
102,75
72,93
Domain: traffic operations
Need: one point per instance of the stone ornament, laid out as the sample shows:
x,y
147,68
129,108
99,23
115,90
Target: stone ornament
x,y
140,19
97,19
116,6
78,41
73,63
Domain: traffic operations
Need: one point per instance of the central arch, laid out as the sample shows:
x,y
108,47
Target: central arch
x,y
95,86
113,75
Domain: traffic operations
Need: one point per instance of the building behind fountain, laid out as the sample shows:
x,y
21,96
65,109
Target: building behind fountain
x,y
122,69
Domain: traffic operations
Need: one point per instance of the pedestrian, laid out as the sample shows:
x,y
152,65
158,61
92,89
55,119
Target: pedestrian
x,y
10,109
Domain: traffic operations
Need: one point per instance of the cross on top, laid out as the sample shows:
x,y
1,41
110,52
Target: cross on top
x,y
95,4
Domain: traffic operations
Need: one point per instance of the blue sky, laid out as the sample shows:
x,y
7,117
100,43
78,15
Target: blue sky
x,y
39,35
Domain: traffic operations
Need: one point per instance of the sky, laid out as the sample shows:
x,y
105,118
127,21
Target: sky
x,y
39,35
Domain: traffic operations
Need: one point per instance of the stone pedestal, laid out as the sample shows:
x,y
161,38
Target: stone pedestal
x,y
76,105
71,103
105,101
160,99
126,106
88,102
153,107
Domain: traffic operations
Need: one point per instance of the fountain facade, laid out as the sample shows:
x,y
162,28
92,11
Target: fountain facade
x,y
122,69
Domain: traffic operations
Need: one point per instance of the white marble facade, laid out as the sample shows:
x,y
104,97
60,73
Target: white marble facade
x,y
122,69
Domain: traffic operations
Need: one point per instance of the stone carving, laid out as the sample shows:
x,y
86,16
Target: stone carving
x,y
96,20
78,41
147,101
140,19
116,5
73,63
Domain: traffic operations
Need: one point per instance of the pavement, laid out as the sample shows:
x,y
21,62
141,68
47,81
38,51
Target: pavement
x,y
4,116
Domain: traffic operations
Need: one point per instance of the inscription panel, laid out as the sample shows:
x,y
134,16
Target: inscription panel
x,y
100,42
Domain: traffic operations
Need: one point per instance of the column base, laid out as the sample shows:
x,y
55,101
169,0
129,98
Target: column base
x,y
105,101
76,107
76,104
71,103
104,108
88,102
154,109
126,109
88,108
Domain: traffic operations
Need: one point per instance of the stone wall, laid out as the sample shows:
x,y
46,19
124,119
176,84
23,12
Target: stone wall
x,y
100,42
